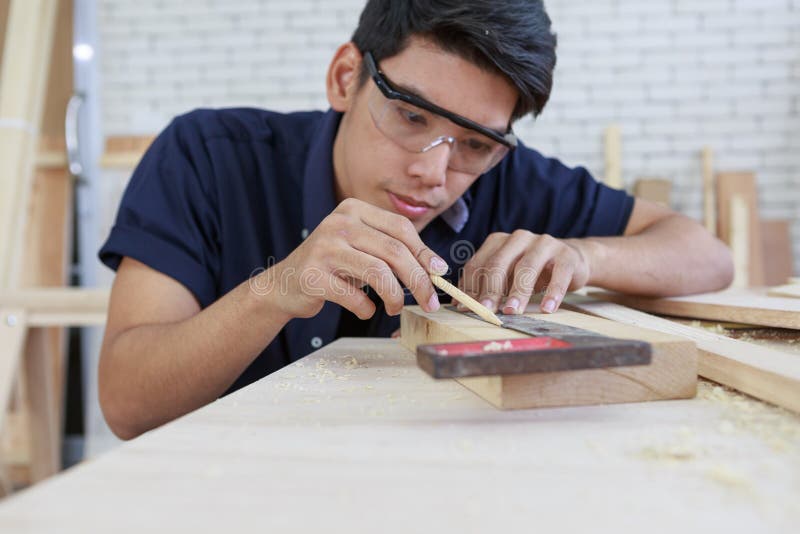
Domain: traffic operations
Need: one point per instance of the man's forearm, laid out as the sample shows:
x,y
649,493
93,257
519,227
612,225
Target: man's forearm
x,y
673,256
154,373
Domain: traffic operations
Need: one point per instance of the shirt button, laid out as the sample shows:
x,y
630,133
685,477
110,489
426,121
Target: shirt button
x,y
304,233
316,342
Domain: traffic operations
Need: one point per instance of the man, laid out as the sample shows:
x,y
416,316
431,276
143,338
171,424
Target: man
x,y
247,239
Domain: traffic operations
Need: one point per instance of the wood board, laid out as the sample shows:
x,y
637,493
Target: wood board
x,y
764,373
777,249
671,375
344,438
747,306
709,195
741,185
656,190
25,67
785,291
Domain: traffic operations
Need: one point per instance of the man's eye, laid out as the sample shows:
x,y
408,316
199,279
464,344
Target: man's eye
x,y
412,117
476,145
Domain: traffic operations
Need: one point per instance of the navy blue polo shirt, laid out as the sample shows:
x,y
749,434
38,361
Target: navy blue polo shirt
x,y
222,194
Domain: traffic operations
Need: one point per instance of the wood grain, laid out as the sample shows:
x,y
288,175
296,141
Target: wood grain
x,y
748,306
767,374
355,437
22,88
672,373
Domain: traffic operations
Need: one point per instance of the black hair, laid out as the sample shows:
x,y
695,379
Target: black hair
x,y
511,37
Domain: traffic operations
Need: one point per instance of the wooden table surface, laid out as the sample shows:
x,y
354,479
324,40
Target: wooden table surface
x,y
355,438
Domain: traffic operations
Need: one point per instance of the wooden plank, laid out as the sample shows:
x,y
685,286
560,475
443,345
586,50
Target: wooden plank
x,y
709,196
57,300
28,41
13,332
748,306
777,249
672,373
656,190
355,431
124,152
739,241
4,5
786,290
44,419
741,184
764,373
613,157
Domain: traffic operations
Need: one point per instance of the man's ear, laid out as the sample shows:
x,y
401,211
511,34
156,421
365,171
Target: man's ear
x,y
342,81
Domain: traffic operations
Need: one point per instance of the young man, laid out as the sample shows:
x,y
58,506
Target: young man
x,y
247,239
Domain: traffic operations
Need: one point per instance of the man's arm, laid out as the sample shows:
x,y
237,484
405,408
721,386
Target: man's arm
x,y
661,253
163,357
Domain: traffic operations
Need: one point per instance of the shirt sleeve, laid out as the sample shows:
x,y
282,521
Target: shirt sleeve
x,y
167,217
561,201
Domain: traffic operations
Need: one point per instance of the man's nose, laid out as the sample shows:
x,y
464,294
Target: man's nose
x,y
430,166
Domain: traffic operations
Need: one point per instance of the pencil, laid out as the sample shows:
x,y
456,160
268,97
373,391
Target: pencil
x,y
479,309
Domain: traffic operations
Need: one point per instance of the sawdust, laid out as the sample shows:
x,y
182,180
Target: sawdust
x,y
727,476
680,447
777,427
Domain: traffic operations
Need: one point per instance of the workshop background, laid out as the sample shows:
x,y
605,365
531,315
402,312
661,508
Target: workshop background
x,y
674,75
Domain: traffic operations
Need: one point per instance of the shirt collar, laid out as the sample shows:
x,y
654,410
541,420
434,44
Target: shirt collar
x,y
319,196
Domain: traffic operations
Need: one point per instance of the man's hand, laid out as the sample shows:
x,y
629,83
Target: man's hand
x,y
508,268
357,244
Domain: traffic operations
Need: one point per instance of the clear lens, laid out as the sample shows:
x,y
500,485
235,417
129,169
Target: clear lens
x,y
417,130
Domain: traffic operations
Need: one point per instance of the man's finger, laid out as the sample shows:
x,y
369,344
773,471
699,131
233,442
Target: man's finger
x,y
356,265
403,229
560,280
395,253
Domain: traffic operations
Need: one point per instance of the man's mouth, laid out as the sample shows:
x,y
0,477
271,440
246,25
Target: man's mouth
x,y
409,206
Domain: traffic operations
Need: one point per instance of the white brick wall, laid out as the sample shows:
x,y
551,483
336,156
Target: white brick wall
x,y
675,74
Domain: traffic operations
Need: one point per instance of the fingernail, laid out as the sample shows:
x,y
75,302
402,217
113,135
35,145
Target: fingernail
x,y
549,305
433,303
488,303
438,265
512,305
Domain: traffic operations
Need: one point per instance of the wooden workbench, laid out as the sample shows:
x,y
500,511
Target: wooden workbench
x,y
355,438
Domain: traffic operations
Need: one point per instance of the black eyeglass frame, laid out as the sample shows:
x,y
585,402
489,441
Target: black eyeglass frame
x,y
386,87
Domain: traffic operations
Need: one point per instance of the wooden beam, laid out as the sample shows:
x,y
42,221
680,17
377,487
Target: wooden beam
x,y
764,373
742,184
13,330
777,248
739,240
26,61
124,152
672,373
748,306
4,5
709,196
57,300
44,419
785,291
613,157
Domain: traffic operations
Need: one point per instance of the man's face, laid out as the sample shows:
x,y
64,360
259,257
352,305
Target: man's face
x,y
372,167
